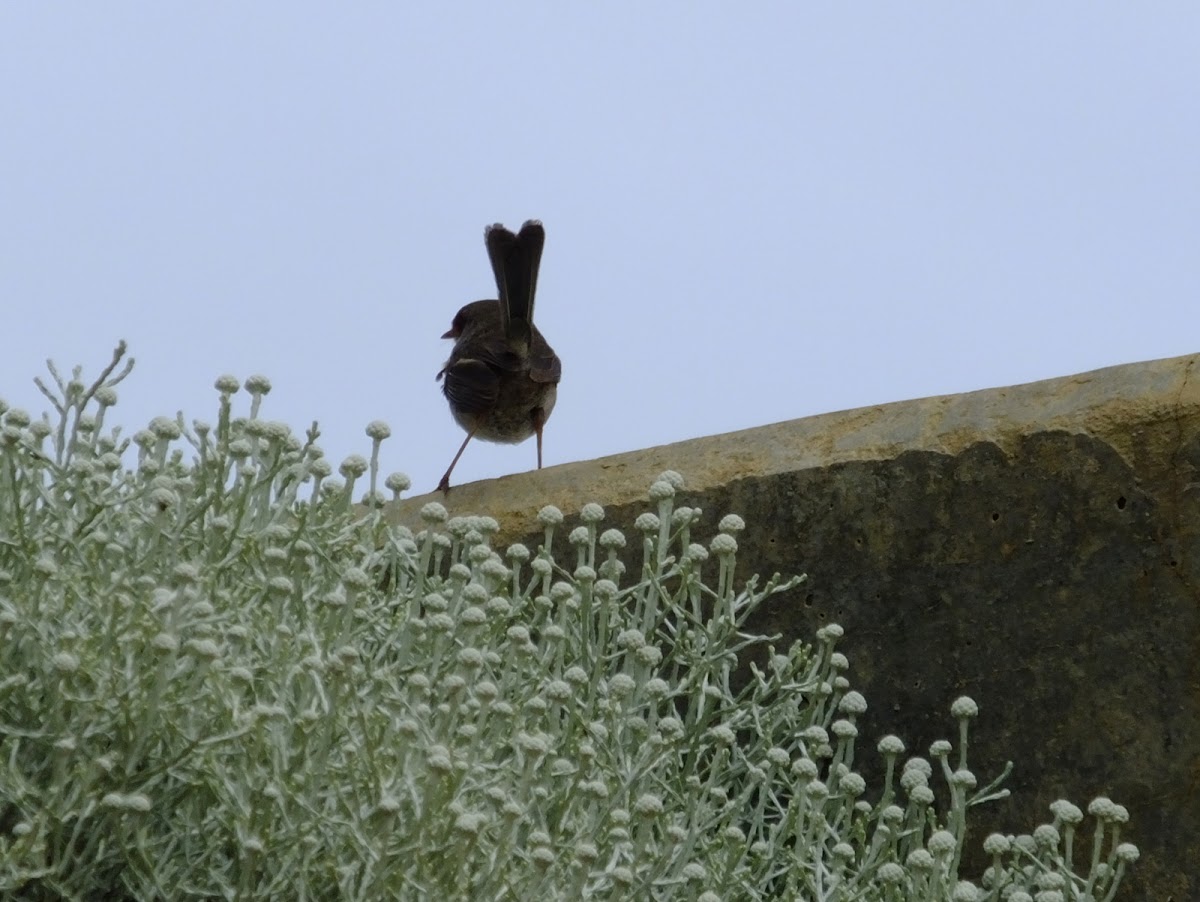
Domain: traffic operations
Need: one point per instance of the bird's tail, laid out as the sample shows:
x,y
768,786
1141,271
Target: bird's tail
x,y
515,261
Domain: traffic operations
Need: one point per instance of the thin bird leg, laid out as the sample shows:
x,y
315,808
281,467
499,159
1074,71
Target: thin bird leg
x,y
538,422
444,485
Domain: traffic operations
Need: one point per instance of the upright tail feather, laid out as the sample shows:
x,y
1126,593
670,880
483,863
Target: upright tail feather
x,y
515,261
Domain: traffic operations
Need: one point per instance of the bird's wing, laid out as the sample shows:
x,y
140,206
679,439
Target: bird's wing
x,y
470,385
545,367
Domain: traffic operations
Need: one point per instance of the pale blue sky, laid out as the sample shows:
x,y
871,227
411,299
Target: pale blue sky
x,y
755,211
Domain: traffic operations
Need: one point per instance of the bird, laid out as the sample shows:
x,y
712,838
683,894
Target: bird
x,y
502,376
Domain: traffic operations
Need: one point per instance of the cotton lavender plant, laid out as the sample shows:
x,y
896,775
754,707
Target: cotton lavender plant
x,y
220,678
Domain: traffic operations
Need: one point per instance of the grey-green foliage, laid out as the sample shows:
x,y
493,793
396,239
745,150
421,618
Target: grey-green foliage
x,y
215,685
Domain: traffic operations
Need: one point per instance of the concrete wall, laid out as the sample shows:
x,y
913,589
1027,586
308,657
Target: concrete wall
x,y
1036,547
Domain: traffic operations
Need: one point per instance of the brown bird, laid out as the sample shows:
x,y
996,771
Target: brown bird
x,y
502,377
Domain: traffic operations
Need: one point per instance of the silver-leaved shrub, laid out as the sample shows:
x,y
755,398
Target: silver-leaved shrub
x,y
221,679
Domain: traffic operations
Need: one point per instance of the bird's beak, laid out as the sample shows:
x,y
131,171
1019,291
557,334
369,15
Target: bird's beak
x,y
451,333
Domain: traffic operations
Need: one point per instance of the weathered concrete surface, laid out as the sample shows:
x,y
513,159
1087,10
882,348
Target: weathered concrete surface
x,y
1036,547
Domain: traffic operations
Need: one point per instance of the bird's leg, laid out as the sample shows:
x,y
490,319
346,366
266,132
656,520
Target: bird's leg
x,y
444,485
538,422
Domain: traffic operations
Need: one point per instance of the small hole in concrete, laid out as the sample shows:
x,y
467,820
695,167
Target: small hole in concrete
x,y
1121,503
